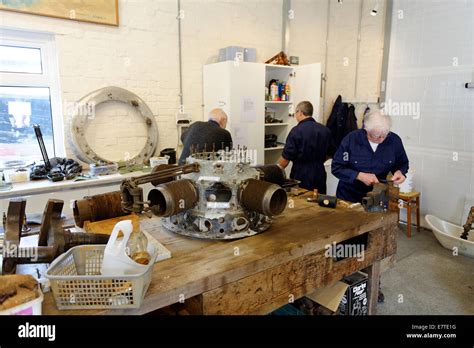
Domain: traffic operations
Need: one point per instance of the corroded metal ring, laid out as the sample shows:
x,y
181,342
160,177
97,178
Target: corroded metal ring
x,y
80,119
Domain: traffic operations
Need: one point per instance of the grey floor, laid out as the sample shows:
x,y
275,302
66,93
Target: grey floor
x,y
427,278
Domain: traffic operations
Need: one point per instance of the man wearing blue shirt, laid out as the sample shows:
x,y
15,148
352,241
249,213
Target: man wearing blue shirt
x,y
307,146
366,156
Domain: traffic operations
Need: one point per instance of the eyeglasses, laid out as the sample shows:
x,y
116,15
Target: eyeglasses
x,y
295,113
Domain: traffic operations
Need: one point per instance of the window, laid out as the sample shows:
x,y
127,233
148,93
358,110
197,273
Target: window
x,y
20,60
29,94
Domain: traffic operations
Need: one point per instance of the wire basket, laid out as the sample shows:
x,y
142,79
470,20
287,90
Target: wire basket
x,y
77,283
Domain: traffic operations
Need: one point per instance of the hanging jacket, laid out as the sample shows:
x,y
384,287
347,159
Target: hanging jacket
x,y
336,121
341,121
351,121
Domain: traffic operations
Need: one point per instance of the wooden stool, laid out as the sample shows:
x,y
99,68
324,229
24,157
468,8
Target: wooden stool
x,y
407,200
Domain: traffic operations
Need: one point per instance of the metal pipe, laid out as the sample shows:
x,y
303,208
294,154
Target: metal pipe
x,y
98,207
285,26
165,173
388,13
263,197
173,197
325,77
78,238
180,60
359,38
160,168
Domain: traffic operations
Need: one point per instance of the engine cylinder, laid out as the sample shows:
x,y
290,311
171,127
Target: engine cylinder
x,y
173,197
98,207
263,197
273,174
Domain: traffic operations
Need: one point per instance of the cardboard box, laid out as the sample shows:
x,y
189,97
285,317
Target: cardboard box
x,y
243,54
355,300
348,297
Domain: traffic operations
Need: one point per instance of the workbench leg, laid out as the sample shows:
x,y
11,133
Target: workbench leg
x,y
373,272
418,213
409,219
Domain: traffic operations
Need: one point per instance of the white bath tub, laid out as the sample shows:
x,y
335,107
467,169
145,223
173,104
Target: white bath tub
x,y
449,234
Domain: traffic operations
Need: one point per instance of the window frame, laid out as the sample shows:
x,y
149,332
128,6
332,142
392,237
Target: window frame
x,y
49,77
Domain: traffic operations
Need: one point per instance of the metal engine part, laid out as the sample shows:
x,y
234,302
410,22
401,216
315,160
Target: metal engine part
x,y
98,207
272,173
231,203
132,193
216,195
263,197
53,239
173,197
81,118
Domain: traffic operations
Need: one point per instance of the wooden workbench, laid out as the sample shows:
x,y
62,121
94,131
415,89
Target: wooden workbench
x,y
258,274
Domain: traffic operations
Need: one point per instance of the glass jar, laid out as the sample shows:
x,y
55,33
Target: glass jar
x,y
137,248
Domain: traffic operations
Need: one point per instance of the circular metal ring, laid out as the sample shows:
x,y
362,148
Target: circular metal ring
x,y
80,120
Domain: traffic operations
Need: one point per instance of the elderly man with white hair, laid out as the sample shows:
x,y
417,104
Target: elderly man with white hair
x,y
210,135
366,156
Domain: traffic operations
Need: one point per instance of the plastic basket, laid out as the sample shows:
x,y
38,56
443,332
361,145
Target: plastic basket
x,y
77,283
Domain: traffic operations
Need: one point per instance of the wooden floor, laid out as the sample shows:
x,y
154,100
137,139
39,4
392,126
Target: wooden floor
x,y
258,274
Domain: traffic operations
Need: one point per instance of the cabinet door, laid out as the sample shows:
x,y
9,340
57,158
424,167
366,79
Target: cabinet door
x,y
306,85
247,116
216,87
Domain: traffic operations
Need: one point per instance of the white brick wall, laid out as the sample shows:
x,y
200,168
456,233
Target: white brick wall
x,y
308,41
342,52
142,55
440,143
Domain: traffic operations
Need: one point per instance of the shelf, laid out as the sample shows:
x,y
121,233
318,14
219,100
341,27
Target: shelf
x,y
38,187
278,102
280,147
276,124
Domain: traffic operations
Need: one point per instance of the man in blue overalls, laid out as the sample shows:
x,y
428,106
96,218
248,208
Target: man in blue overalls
x,y
366,156
307,146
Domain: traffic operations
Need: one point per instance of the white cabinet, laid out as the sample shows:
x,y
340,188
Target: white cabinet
x,y
239,89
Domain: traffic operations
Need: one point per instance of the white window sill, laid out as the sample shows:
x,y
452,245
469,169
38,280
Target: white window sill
x,y
38,187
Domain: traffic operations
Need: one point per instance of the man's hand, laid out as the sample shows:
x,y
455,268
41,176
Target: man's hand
x,y
398,178
283,163
367,178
